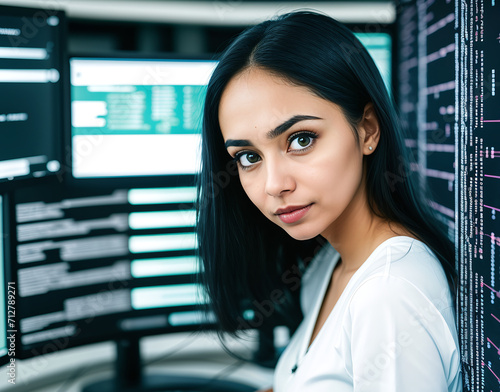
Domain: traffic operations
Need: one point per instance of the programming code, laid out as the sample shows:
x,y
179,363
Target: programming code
x,y
478,198
448,60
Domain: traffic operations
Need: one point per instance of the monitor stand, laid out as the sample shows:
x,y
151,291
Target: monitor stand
x,y
129,377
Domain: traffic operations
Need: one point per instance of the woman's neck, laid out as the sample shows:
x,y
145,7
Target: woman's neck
x,y
358,232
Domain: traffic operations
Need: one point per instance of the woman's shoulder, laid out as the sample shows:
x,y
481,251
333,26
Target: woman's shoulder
x,y
404,274
407,259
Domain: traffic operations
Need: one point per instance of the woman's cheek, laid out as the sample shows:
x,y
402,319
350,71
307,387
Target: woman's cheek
x,y
251,188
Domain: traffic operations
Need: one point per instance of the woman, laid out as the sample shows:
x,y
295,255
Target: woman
x,y
301,142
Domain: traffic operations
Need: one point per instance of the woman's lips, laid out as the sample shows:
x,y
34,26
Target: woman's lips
x,y
292,214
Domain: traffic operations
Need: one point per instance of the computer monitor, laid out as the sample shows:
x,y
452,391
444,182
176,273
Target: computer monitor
x,y
136,117
32,55
448,60
93,266
105,265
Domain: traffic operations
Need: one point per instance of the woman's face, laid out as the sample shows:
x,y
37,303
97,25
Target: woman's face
x,y
298,159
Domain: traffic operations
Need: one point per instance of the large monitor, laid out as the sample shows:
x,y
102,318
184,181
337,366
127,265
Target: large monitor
x,y
93,266
116,265
448,60
134,117
32,55
477,200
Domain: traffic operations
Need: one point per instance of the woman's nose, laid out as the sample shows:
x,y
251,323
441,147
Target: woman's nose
x,y
279,179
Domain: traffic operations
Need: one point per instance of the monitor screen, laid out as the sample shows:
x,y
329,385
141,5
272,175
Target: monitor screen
x,y
449,103
427,94
93,266
31,115
136,117
478,200
379,45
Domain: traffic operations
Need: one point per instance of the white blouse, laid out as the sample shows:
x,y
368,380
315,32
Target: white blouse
x,y
392,329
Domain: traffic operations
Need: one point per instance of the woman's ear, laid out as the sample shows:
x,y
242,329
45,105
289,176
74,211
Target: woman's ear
x,y
369,130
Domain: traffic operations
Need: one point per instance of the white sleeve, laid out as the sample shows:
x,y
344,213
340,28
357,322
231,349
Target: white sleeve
x,y
397,339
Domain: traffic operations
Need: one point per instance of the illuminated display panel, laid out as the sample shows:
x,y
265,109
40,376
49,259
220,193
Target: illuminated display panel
x,y
136,117
93,266
32,49
478,200
379,45
448,59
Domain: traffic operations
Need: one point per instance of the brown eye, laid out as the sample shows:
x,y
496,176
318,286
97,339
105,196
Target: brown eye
x,y
247,159
252,158
301,141
304,141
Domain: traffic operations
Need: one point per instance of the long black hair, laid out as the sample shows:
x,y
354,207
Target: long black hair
x,y
246,259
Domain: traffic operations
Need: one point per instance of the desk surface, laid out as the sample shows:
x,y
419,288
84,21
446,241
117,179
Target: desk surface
x,y
177,354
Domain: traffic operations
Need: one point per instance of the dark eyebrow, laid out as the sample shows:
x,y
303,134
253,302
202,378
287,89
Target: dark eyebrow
x,y
238,143
273,133
288,124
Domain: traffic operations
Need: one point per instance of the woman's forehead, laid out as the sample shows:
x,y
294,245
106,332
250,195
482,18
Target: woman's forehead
x,y
259,92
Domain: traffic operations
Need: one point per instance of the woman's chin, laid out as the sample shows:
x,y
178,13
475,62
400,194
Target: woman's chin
x,y
301,234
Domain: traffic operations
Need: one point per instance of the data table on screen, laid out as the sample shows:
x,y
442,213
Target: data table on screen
x,y
136,117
